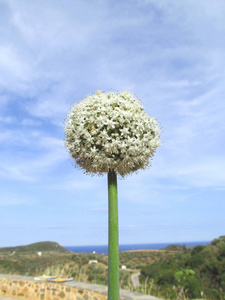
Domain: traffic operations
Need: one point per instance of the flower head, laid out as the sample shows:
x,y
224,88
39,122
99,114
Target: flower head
x,y
111,131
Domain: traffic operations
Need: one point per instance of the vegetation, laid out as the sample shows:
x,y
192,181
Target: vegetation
x,y
57,261
194,272
138,259
176,272
38,247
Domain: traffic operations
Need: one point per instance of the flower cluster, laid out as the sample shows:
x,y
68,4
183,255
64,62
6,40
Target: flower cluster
x,y
111,131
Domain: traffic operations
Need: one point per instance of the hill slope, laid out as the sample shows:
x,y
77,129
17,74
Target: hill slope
x,y
36,247
199,271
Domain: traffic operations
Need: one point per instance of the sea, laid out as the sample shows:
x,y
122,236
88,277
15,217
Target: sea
x,y
103,249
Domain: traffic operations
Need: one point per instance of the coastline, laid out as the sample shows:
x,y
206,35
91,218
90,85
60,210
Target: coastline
x,y
103,249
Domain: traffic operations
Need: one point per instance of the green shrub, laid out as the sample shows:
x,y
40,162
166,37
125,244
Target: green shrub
x,y
90,277
212,293
195,261
166,277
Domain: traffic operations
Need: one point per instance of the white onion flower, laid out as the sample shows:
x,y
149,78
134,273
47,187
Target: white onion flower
x,y
111,131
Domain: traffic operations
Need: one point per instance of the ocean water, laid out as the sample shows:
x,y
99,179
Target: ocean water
x,y
100,249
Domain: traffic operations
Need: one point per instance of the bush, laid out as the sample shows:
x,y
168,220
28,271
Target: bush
x,y
221,253
195,261
197,249
193,288
166,277
102,279
98,270
90,277
212,294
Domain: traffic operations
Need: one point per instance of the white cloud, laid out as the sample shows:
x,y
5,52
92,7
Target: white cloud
x,y
30,165
15,172
171,54
11,64
51,48
75,184
7,120
61,54
30,122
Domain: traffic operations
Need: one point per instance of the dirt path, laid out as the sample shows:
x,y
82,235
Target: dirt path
x,y
135,279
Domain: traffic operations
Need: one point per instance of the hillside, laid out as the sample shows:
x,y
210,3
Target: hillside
x,y
36,247
196,272
57,261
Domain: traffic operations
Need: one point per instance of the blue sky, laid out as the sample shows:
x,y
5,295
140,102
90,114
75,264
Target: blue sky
x,y
171,54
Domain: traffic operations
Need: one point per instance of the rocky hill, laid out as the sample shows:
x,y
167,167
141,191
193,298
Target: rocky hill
x,y
36,247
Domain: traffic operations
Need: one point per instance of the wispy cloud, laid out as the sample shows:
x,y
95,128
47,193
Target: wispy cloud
x,y
171,54
30,166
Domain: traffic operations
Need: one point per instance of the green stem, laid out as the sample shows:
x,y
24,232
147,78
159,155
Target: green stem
x,y
113,244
